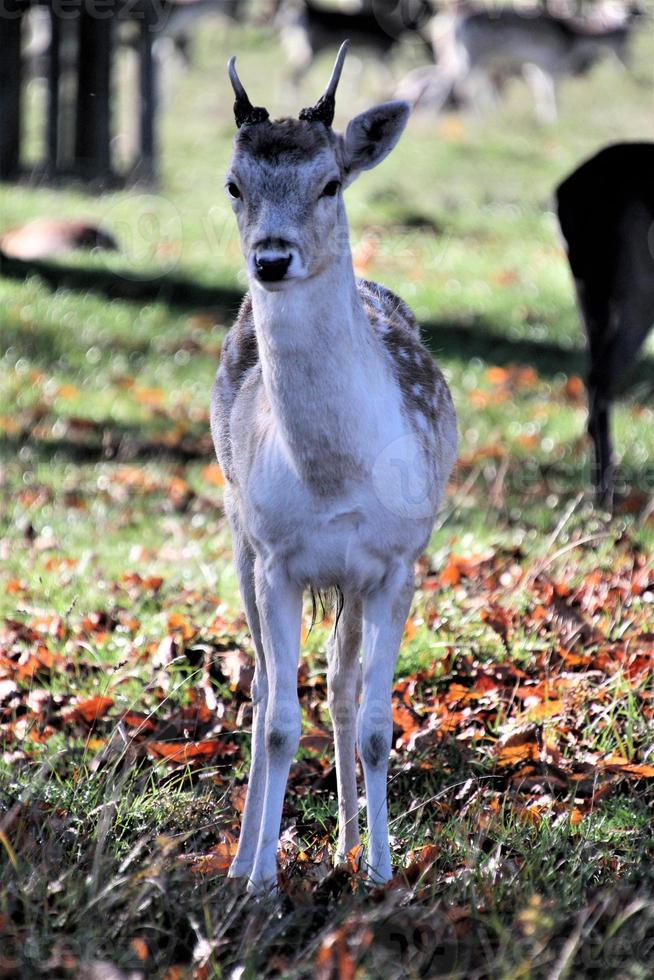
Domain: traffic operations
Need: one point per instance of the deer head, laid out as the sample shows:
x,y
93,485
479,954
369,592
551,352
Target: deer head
x,y
286,178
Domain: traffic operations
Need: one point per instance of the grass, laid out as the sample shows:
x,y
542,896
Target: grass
x,y
526,841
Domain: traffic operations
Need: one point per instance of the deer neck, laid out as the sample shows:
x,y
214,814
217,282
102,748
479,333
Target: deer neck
x,y
318,361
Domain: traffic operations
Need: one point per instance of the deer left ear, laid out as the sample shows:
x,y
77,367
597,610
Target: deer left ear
x,y
371,136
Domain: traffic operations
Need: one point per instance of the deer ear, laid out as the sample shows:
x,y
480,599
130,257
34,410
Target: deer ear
x,y
371,136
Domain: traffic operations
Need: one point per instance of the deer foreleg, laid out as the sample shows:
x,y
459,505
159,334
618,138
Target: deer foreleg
x,y
243,862
279,603
384,616
344,683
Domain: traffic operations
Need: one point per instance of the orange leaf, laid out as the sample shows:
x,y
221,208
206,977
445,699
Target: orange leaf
x,y
404,718
574,388
149,396
67,391
217,860
237,797
354,858
643,770
185,751
497,375
506,277
451,128
616,761
520,747
176,972
214,475
140,947
451,574
179,623
545,710
363,255
421,863
139,721
91,710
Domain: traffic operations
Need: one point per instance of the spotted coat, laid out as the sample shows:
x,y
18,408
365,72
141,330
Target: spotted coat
x,y
424,391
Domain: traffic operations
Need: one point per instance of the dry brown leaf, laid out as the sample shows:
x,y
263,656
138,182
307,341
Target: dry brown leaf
x,y
93,709
184,752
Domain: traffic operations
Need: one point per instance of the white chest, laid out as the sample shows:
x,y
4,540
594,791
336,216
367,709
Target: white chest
x,y
379,503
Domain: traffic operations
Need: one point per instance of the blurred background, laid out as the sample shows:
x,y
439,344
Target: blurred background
x,y
118,125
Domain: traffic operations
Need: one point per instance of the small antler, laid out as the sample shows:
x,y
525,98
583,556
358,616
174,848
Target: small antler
x,y
244,111
323,110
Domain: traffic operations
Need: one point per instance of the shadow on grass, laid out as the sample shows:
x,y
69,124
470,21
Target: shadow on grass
x,y
458,341
175,291
110,442
450,339
526,480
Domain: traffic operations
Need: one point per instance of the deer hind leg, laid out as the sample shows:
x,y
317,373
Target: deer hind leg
x,y
384,616
595,313
543,90
243,862
631,316
599,429
344,683
279,603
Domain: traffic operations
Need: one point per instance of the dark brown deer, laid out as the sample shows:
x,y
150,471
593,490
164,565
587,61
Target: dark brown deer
x,y
606,213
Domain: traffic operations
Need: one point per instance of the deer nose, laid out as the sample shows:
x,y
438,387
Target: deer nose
x,y
272,268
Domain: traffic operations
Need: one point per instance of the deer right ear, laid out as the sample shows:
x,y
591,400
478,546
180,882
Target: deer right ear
x,y
371,136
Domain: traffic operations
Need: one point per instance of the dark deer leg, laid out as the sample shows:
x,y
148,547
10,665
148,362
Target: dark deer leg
x,y
599,428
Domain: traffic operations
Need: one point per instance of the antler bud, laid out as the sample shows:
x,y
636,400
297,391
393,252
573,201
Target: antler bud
x,y
323,110
244,111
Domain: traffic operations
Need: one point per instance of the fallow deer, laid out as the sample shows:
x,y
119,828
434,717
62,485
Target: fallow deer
x,y
606,213
376,29
336,433
489,46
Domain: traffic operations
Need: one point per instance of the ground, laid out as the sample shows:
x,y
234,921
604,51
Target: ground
x,y
521,779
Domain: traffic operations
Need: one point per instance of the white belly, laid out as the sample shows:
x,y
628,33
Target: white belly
x,y
348,539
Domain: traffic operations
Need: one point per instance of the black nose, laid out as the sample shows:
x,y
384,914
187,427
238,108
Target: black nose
x,y
272,270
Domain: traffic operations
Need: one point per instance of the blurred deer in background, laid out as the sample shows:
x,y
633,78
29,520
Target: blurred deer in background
x,y
377,29
606,213
336,433
478,50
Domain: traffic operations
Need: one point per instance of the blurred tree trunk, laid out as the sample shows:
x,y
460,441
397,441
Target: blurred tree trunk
x,y
10,84
93,129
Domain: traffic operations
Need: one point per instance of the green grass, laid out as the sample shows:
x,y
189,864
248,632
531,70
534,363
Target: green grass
x,y
115,571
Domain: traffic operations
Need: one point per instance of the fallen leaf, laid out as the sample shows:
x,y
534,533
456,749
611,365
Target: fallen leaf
x,y
216,861
90,710
213,475
184,752
519,747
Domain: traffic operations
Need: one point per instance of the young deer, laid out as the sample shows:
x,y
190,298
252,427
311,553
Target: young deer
x,y
606,213
337,434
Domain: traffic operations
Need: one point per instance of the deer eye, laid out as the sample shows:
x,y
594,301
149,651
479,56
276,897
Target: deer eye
x,y
232,189
331,188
